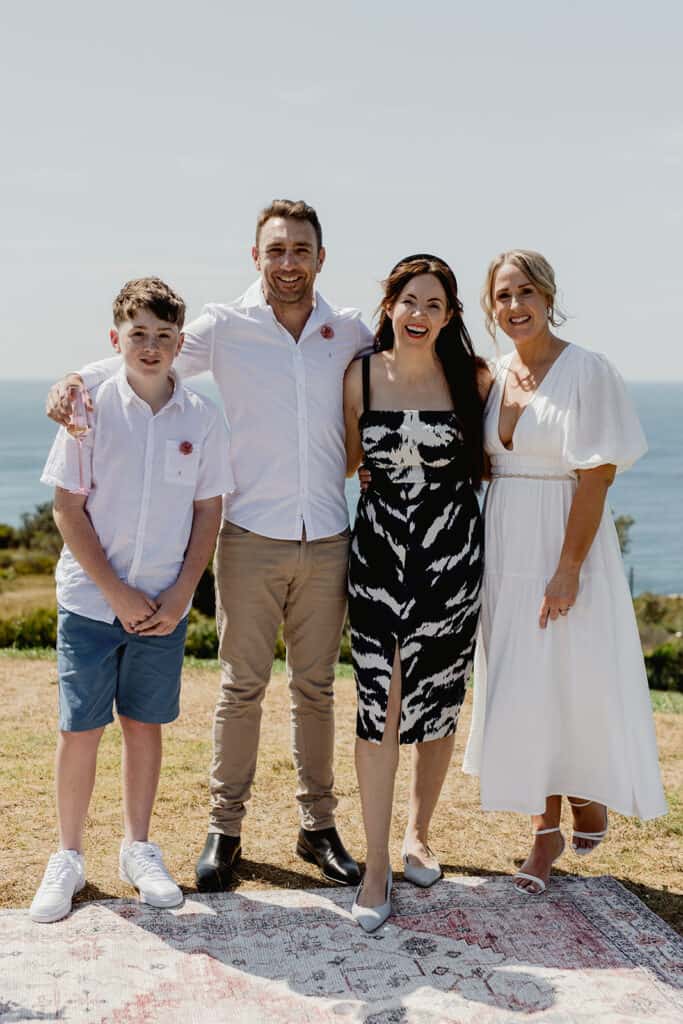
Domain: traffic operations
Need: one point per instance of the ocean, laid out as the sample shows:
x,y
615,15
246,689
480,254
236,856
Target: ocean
x,y
651,493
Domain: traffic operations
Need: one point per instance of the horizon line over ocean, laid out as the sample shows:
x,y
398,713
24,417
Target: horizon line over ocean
x,y
651,492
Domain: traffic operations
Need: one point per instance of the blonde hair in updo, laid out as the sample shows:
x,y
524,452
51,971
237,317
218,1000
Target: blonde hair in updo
x,y
539,272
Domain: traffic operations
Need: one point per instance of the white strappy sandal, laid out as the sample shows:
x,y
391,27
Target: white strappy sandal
x,y
534,878
595,837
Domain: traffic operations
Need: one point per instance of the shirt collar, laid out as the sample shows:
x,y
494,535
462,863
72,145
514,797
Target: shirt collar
x,y
254,298
178,396
128,395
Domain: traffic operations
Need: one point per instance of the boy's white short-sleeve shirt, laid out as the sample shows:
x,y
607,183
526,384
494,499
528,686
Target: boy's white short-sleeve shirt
x,y
143,472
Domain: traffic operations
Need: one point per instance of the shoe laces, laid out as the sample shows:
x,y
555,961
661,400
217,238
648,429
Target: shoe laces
x,y
58,867
147,857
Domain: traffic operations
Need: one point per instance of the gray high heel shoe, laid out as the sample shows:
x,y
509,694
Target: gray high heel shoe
x,y
424,877
372,918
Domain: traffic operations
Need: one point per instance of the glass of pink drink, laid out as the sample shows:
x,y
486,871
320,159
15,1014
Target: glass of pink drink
x,y
79,427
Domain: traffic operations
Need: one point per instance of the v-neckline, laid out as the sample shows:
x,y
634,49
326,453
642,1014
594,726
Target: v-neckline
x,y
531,400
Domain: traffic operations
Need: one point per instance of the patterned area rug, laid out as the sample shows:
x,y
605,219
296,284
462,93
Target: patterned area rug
x,y
468,951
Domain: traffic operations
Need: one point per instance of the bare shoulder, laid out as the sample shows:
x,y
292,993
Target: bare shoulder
x,y
353,387
353,378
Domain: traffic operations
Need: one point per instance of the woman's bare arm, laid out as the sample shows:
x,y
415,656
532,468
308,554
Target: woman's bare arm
x,y
484,379
582,525
484,382
353,402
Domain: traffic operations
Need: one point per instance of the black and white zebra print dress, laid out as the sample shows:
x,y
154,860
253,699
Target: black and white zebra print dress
x,y
415,571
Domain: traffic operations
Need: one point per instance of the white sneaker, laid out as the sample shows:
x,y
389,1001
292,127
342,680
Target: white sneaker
x,y
64,877
142,865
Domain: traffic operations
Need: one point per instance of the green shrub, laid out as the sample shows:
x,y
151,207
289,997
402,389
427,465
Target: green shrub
x,y
623,525
8,536
665,666
660,610
280,651
652,636
345,649
35,629
38,530
34,562
201,640
25,562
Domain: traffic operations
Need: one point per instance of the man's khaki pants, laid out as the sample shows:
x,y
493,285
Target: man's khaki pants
x,y
259,584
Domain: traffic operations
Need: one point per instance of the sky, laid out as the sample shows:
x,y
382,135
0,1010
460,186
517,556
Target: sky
x,y
143,138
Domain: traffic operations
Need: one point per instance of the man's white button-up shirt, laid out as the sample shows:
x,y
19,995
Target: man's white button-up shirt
x,y
284,404
143,472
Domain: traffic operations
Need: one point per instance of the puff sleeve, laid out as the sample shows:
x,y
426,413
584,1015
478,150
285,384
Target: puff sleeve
x,y
602,425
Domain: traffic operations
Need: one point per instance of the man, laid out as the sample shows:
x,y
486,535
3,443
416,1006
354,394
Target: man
x,y
278,355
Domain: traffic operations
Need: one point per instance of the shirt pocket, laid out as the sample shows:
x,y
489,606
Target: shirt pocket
x,y
180,465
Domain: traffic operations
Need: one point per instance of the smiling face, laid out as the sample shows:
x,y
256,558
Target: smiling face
x,y
420,311
148,345
288,258
521,309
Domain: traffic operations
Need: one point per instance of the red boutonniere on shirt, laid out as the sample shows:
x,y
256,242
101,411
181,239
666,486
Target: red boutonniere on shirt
x,y
327,332
186,447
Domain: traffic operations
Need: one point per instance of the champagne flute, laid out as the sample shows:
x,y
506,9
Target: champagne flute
x,y
79,427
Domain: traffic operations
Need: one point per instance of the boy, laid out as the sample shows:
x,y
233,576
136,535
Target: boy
x,y
138,504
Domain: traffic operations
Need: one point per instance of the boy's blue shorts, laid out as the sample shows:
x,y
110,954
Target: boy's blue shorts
x,y
100,665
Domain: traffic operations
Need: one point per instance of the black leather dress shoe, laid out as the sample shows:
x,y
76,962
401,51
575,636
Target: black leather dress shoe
x,y
325,848
214,868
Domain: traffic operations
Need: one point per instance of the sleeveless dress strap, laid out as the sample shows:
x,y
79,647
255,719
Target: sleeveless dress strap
x,y
366,383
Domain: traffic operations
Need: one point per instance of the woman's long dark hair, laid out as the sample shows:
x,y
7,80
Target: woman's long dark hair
x,y
453,347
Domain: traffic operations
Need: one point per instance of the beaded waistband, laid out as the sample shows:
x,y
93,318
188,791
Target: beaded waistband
x,y
531,476
529,467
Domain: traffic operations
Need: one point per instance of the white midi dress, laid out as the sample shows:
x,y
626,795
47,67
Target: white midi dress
x,y
563,710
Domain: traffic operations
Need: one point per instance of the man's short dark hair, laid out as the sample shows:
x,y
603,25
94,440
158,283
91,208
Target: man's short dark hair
x,y
296,209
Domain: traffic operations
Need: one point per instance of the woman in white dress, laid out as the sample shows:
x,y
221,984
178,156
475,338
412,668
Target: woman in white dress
x,y
561,705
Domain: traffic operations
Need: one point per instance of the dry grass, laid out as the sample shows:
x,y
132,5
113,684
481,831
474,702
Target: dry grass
x,y
645,857
25,594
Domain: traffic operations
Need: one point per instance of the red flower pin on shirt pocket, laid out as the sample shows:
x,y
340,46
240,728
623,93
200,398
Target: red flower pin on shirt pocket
x,y
186,447
327,332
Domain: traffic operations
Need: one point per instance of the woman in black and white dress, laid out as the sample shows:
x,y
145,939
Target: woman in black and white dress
x,y
413,417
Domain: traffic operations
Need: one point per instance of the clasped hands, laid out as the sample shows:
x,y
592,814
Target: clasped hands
x,y
144,615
